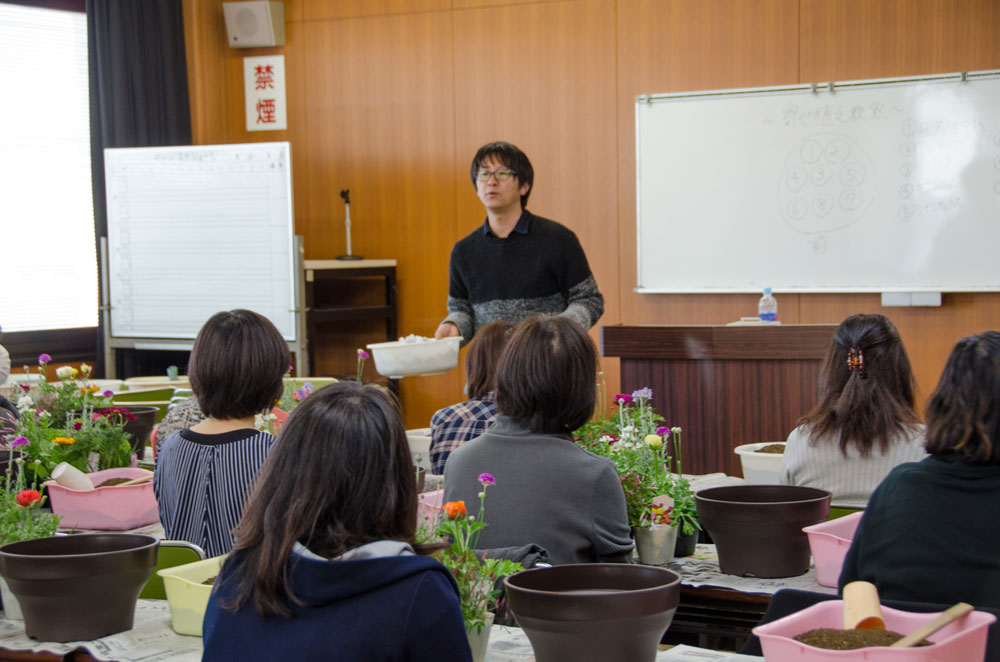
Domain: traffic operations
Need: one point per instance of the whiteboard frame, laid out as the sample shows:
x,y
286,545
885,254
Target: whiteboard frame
x,y
831,86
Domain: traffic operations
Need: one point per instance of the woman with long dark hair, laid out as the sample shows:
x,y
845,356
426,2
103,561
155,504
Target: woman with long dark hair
x,y
930,531
325,564
865,423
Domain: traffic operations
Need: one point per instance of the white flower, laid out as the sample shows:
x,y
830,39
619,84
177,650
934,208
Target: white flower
x,y
24,403
66,372
675,430
264,422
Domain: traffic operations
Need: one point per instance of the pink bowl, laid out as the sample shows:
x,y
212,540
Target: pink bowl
x,y
963,640
829,542
106,508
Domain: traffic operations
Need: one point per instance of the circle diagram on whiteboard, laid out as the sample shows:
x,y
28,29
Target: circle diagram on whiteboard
x,y
828,182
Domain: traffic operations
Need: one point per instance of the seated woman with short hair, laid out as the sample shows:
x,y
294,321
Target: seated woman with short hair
x,y
325,565
203,474
453,426
930,531
549,491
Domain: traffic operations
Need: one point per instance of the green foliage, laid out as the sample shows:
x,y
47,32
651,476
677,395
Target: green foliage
x,y
22,522
477,577
635,438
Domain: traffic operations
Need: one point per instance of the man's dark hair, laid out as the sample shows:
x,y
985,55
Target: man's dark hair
x,y
511,157
963,414
546,376
484,355
237,365
339,476
872,404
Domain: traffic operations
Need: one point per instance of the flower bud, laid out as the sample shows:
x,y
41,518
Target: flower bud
x,y
653,440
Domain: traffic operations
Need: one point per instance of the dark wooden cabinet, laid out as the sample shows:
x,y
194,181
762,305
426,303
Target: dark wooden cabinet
x,y
724,385
331,287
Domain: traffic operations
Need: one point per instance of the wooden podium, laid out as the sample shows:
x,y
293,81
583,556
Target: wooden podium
x,y
724,385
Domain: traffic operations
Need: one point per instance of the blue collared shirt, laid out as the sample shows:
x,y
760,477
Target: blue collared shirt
x,y
523,224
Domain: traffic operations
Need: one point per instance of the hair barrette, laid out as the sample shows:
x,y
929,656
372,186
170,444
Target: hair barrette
x,y
856,361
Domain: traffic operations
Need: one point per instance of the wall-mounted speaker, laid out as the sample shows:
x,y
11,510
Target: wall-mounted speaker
x,y
255,23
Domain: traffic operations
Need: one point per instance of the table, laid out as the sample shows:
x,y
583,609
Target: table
x,y
718,610
153,640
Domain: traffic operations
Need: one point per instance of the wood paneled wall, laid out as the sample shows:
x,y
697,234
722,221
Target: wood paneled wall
x,y
390,98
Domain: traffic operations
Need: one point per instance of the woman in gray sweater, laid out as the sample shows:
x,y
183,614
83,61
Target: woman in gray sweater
x,y
549,491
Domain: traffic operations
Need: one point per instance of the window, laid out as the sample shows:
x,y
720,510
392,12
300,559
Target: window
x,y
48,256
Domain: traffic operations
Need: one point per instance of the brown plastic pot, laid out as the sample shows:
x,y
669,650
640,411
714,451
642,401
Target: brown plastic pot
x,y
140,428
758,528
81,587
594,612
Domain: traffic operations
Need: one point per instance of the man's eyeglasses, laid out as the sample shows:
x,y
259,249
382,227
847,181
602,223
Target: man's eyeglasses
x,y
501,175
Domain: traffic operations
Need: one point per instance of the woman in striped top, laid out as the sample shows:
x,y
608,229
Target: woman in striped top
x,y
204,473
865,423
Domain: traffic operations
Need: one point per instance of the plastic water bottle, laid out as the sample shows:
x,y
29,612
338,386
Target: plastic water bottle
x,y
767,307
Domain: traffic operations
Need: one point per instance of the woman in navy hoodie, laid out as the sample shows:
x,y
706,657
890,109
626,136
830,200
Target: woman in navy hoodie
x,y
325,565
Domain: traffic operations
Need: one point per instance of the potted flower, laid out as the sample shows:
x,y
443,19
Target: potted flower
x,y
476,575
658,501
685,510
21,518
67,396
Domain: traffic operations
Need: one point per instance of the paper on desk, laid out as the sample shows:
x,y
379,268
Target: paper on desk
x,y
684,653
702,569
511,645
151,639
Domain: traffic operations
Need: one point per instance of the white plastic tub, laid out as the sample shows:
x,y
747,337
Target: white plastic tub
x,y
760,468
425,356
420,446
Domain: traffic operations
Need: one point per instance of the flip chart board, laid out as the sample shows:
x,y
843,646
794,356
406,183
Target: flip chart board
x,y
864,186
196,230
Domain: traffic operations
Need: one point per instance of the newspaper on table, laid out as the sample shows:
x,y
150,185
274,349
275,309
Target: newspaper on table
x,y
702,569
151,639
510,644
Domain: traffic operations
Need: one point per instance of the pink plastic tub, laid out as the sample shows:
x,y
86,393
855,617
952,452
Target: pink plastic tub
x,y
829,542
963,640
106,508
429,506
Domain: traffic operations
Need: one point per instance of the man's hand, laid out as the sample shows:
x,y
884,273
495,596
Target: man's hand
x,y
446,330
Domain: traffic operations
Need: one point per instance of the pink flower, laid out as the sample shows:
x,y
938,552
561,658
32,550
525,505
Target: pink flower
x,y
662,430
20,441
77,425
623,398
43,359
108,394
487,479
362,354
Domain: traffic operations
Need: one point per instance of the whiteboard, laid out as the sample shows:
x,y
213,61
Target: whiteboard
x,y
867,186
196,230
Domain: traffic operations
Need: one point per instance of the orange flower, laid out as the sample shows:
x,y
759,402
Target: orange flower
x,y
27,497
454,509
65,441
